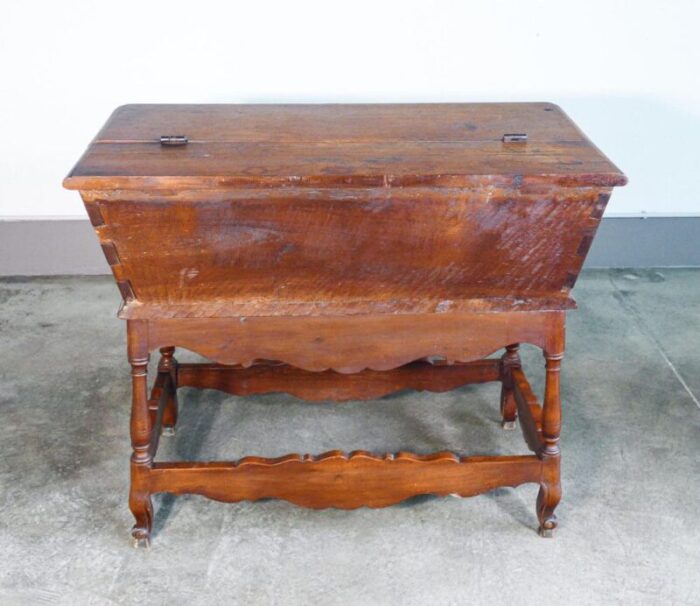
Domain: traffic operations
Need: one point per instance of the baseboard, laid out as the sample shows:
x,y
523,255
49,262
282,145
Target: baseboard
x,y
51,247
646,242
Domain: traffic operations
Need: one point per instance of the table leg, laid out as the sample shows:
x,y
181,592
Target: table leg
x,y
550,486
141,429
509,407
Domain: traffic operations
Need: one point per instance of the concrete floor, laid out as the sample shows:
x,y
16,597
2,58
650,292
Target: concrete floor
x,y
629,522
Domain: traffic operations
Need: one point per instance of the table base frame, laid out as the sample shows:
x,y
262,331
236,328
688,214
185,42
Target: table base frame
x,y
337,479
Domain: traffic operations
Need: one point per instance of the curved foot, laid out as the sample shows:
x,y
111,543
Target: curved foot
x,y
139,540
142,508
547,532
547,500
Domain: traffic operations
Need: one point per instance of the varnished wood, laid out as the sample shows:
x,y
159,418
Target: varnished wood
x,y
335,252
330,385
324,250
509,360
341,123
529,410
340,146
550,486
349,344
141,433
168,365
345,481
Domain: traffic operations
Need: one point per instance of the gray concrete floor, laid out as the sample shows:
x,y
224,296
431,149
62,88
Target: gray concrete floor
x,y
629,521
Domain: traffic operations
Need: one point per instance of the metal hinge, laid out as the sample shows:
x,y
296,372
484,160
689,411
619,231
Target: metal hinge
x,y
173,140
515,138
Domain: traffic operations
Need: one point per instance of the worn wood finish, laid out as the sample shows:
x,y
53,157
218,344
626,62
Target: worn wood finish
x,y
343,123
142,442
353,343
347,252
529,410
509,360
330,385
334,252
341,146
335,479
168,366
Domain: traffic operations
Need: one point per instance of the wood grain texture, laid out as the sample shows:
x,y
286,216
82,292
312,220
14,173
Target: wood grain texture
x,y
344,246
340,123
314,252
529,410
351,344
335,479
509,408
340,145
264,378
141,426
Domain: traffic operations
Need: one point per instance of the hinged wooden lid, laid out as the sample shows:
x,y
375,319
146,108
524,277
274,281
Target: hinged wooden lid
x,y
194,146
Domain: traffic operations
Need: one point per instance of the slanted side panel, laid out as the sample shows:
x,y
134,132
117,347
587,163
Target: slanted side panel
x,y
416,250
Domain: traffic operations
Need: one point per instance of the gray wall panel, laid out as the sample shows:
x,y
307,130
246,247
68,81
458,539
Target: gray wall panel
x,y
45,247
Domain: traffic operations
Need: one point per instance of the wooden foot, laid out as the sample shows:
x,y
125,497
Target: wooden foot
x,y
547,500
142,543
142,508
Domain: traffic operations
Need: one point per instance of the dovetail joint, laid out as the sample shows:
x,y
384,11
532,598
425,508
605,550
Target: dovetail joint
x,y
599,207
570,280
110,252
94,214
585,245
126,290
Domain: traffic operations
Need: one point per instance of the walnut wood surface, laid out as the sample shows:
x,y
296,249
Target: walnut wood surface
x,y
344,245
314,252
354,343
340,123
330,385
529,410
509,409
340,145
335,479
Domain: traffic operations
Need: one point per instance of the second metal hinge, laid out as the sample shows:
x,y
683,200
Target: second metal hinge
x,y
173,140
515,138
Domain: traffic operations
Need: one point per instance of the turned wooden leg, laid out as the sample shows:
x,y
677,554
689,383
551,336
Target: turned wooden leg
x,y
550,485
168,364
141,429
509,408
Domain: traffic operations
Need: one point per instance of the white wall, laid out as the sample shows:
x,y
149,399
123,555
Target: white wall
x,y
626,71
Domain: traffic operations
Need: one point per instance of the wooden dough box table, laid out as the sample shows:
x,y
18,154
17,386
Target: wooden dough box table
x,y
334,252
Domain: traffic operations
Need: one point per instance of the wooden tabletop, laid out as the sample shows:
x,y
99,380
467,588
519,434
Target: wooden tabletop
x,y
340,145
